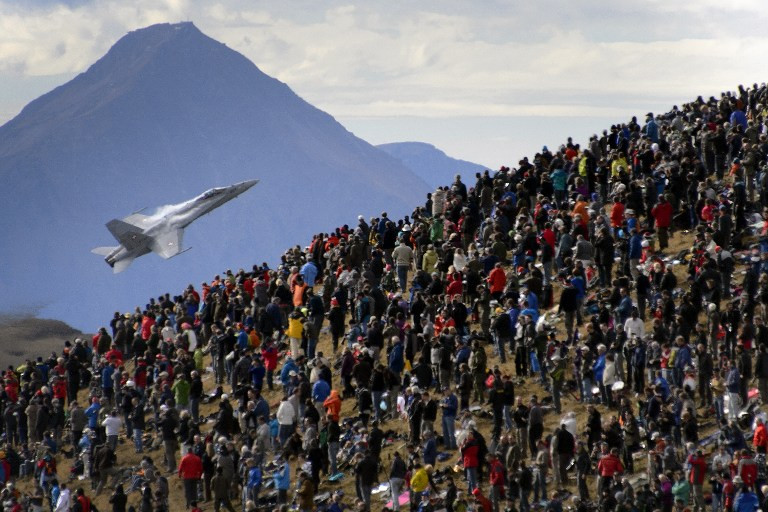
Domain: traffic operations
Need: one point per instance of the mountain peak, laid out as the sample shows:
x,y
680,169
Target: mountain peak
x,y
165,114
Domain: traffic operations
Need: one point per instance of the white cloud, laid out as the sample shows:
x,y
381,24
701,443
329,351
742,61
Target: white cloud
x,y
431,59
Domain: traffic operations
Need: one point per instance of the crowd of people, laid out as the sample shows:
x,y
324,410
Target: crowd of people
x,y
452,341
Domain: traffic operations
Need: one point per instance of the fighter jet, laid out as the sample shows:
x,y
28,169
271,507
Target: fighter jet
x,y
162,231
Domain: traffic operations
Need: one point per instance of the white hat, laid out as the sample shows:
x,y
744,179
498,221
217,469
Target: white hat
x,y
130,384
225,396
292,373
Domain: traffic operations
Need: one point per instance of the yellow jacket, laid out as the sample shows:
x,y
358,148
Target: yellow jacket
x,y
419,480
295,328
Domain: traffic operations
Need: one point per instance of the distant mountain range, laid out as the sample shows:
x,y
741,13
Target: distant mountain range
x,y
431,164
166,114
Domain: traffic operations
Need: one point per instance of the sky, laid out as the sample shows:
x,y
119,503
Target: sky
x,y
487,81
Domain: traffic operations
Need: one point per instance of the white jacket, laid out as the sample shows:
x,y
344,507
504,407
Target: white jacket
x,y
609,374
285,413
63,503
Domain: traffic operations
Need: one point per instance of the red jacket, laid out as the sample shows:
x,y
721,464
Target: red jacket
x,y
662,212
191,467
698,469
270,358
85,503
748,470
497,280
470,452
761,436
609,466
497,473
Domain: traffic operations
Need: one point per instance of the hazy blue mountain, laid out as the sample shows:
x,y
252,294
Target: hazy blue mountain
x,y
431,164
166,114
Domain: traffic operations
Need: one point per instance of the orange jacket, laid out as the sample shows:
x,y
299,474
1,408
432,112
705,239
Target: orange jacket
x,y
617,215
332,405
581,210
298,294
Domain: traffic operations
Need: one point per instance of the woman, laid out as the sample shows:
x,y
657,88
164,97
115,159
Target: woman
x,y
209,468
118,499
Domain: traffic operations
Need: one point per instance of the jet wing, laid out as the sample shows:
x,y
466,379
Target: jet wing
x,y
138,219
168,244
127,234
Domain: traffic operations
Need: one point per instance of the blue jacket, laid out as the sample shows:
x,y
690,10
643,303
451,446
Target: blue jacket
x,y
106,377
738,117
514,314
396,361
662,383
254,478
733,380
309,273
452,405
257,376
289,365
652,130
320,391
746,502
283,478
580,285
635,247
242,340
683,357
598,368
533,312
533,301
92,413
625,308
262,409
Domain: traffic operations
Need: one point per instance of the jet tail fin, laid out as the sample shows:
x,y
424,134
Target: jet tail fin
x,y
103,251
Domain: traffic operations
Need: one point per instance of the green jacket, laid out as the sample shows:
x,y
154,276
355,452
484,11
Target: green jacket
x,y
181,391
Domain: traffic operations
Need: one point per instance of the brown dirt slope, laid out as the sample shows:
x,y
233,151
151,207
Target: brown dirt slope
x,y
23,337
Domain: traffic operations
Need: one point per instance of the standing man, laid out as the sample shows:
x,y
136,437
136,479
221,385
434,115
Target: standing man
x,y
662,213
450,405
402,255
190,471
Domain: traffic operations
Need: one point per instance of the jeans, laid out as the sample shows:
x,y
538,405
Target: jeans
x,y
547,268
190,490
194,409
396,486
112,442
734,405
402,276
449,432
365,494
311,344
333,451
377,404
539,485
508,416
524,505
137,441
500,349
284,432
471,479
